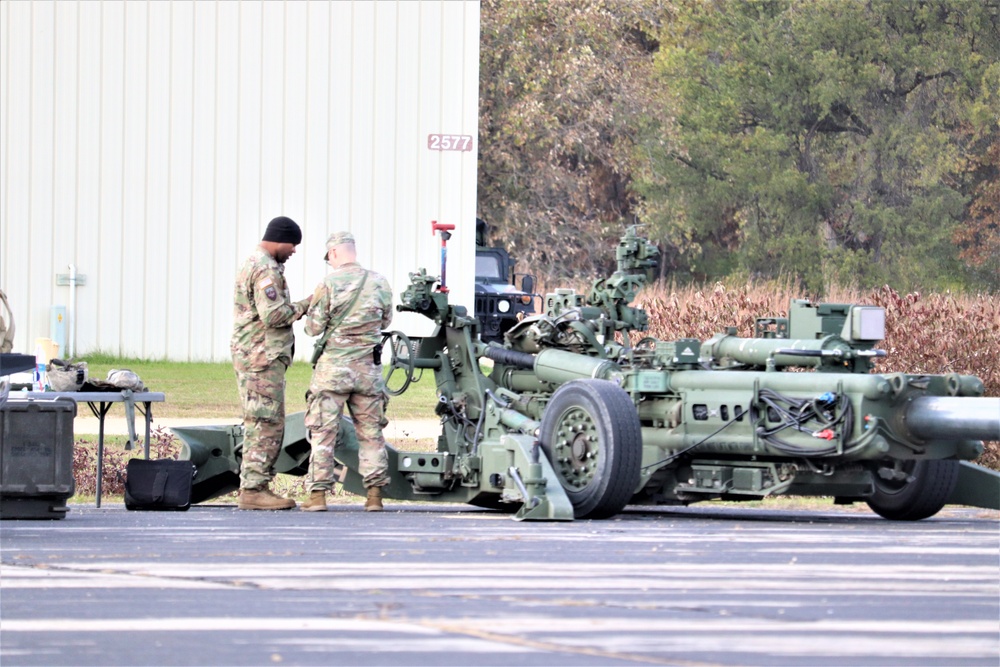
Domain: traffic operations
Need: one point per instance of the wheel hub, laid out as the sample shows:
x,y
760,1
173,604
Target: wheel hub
x,y
892,480
577,449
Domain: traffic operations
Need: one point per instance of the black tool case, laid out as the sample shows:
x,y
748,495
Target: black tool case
x,y
160,484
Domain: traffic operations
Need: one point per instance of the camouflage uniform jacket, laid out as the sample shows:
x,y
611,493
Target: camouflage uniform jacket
x,y
263,314
361,328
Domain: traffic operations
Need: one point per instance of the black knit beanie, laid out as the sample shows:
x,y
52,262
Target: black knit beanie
x,y
283,230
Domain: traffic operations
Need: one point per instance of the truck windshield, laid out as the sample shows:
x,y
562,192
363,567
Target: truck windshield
x,y
488,266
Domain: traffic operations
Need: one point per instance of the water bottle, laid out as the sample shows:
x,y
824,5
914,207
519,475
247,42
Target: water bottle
x,y
41,377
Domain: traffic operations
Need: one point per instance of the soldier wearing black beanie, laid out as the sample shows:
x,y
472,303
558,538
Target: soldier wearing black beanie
x,y
283,230
263,346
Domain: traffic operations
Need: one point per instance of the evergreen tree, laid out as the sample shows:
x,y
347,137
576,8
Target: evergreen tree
x,y
830,140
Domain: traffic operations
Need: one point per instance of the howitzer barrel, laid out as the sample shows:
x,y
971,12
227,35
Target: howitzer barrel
x,y
761,351
509,357
556,366
559,366
954,418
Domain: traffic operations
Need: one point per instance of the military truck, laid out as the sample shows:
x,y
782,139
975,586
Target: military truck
x,y
499,303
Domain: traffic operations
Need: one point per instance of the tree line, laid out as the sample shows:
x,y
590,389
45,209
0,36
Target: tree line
x,y
830,141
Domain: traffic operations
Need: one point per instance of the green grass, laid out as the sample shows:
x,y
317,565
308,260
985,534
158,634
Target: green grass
x,y
208,390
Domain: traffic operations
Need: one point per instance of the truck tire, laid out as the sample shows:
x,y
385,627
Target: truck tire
x,y
927,490
591,434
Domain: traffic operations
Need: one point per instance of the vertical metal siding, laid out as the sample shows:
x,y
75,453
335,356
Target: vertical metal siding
x,y
149,143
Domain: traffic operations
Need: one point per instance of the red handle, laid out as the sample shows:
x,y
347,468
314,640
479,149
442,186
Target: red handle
x,y
440,227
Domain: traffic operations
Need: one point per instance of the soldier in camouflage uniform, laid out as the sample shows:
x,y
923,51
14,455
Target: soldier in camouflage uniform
x,y
262,345
356,305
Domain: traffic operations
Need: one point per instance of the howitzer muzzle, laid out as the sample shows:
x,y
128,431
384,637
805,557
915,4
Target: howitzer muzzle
x,y
953,418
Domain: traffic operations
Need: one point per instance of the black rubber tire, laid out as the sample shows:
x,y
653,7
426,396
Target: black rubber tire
x,y
609,431
932,484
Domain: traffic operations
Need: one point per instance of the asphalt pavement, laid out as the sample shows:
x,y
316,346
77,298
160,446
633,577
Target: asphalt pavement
x,y
427,584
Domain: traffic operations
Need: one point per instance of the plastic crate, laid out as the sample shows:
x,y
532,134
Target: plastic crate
x,y
36,458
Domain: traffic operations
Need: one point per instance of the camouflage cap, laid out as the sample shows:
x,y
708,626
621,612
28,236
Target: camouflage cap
x,y
336,239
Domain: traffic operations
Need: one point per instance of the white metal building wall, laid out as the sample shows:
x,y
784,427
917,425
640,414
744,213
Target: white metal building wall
x,y
149,143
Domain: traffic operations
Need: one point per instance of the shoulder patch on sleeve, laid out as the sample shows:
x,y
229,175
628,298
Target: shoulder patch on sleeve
x,y
265,283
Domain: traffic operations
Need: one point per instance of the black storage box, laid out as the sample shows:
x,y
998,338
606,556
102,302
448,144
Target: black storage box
x,y
36,458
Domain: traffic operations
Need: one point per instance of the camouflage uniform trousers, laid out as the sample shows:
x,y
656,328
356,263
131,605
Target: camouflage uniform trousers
x,y
262,394
358,385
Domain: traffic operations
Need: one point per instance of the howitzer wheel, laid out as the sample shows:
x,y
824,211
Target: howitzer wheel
x,y
591,433
922,492
403,358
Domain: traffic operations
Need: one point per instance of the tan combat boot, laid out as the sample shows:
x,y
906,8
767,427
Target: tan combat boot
x,y
316,502
263,499
374,501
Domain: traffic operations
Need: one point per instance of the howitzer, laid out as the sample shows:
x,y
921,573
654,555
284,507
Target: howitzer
x,y
571,419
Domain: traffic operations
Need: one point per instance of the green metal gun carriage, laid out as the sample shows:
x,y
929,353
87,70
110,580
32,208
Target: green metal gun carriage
x,y
569,418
